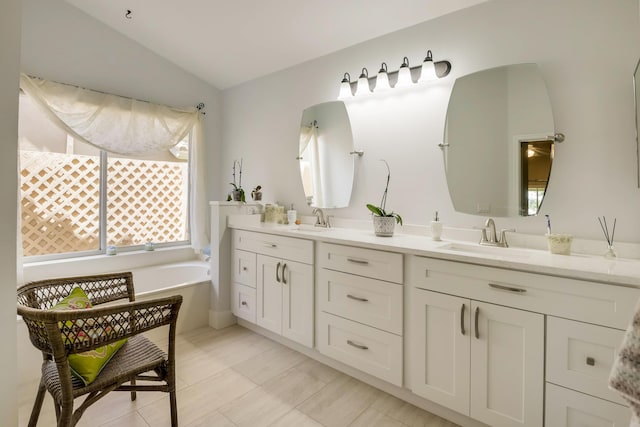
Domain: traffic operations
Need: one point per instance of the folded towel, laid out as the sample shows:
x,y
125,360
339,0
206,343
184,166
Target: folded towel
x,y
625,373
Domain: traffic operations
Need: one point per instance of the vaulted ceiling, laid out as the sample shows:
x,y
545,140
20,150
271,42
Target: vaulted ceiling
x,y
228,42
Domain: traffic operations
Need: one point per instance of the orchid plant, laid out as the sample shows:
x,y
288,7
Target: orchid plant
x,y
237,188
381,210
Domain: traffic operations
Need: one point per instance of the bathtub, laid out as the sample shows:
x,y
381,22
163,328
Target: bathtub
x,y
191,279
162,278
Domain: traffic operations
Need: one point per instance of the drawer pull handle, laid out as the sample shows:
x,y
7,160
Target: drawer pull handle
x,y
462,319
591,361
507,288
271,245
477,316
284,278
277,273
356,345
243,303
358,261
357,298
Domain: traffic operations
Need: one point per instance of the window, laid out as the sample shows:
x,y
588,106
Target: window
x,y
77,199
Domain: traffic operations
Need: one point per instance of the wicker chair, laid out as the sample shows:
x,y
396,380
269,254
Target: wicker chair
x,y
125,319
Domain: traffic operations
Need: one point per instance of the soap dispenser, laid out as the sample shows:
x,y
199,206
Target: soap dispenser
x,y
292,215
436,228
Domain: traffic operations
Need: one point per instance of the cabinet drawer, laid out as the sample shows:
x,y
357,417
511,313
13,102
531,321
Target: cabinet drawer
x,y
372,302
244,268
569,408
365,348
580,356
300,250
243,302
581,300
363,262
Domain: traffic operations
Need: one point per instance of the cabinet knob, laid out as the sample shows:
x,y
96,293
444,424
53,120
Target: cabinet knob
x,y
591,361
243,303
245,269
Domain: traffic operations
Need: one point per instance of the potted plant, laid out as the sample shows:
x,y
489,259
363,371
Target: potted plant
x,y
256,194
384,222
238,191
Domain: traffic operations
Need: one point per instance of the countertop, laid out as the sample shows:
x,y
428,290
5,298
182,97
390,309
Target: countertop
x,y
617,271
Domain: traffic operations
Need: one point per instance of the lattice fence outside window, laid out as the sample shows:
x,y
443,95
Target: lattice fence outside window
x,y
146,200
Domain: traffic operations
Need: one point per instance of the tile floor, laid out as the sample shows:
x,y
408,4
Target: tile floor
x,y
235,377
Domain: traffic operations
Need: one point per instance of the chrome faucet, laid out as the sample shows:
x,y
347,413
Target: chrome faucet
x,y
321,221
492,239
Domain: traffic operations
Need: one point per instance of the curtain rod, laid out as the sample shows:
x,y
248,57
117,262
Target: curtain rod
x,y
200,107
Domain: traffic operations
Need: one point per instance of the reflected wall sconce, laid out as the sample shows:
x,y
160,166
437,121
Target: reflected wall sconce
x,y
428,71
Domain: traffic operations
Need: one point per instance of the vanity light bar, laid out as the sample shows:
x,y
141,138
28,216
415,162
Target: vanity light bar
x,y
429,70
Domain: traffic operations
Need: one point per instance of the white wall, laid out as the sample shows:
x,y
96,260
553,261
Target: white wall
x,y
9,69
63,44
586,51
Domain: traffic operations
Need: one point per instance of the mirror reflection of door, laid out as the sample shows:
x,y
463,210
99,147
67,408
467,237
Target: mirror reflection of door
x,y
536,158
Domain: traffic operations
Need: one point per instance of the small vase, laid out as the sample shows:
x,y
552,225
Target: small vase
x,y
256,196
610,253
383,226
237,195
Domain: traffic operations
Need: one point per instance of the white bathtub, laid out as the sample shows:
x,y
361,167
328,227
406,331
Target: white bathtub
x,y
166,277
191,279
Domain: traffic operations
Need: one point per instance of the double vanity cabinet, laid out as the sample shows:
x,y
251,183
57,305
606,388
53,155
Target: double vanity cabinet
x,y
502,346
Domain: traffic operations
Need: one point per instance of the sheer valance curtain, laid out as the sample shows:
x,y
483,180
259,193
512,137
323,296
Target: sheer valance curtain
x,y
127,126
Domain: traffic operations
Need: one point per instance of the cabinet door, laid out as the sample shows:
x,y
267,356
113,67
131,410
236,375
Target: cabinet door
x,y
507,366
269,304
440,348
297,303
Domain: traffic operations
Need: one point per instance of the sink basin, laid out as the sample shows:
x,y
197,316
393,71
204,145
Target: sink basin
x,y
492,251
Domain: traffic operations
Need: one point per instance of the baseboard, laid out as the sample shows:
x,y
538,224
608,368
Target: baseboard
x,y
221,319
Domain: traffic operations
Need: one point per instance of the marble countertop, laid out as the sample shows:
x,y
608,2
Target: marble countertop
x,y
618,271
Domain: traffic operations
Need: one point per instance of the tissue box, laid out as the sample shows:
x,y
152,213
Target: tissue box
x,y
559,243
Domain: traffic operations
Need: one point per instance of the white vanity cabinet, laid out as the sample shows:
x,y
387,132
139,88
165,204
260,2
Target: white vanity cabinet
x,y
480,359
479,345
284,291
360,301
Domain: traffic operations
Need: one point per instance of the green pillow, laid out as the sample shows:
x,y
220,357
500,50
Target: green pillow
x,y
87,365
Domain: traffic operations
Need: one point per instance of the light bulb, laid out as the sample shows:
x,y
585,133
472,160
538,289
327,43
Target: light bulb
x,y
382,80
363,83
345,87
428,72
404,74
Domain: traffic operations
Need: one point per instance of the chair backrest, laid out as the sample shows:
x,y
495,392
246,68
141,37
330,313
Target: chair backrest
x,y
35,298
101,288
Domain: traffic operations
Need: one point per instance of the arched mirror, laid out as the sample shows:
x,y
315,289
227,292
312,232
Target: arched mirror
x,y
499,141
326,155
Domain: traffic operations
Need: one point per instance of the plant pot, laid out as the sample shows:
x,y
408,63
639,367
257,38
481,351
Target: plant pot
x,y
237,195
256,195
383,226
